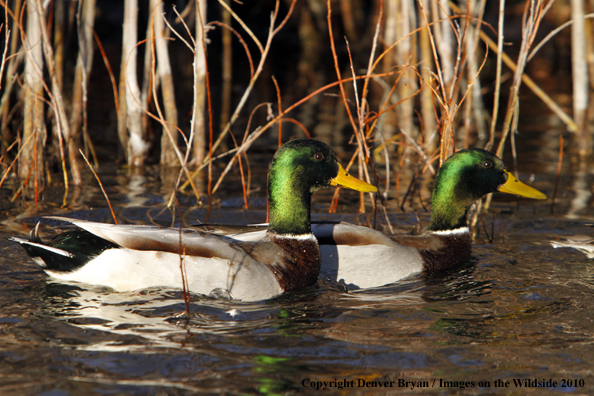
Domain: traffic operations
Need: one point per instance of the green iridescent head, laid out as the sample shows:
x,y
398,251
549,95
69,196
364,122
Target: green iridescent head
x,y
465,177
298,169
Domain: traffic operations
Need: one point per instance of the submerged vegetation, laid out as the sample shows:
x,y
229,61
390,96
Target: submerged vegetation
x,y
383,81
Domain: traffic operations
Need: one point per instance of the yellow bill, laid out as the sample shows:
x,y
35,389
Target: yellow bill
x,y
516,187
345,180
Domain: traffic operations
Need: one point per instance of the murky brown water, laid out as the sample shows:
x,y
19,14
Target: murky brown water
x,y
520,310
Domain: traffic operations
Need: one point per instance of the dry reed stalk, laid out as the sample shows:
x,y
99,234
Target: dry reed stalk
x,y
453,88
58,29
579,73
428,114
241,41
385,108
379,125
350,20
499,52
409,192
533,14
25,182
85,17
182,264
183,160
250,119
100,186
260,130
317,113
471,82
299,125
264,50
227,69
227,65
180,18
363,108
474,108
447,93
442,88
59,22
452,28
383,196
373,120
8,150
168,139
334,201
363,150
258,133
554,32
554,107
16,158
7,33
122,112
198,128
14,60
167,126
34,113
427,26
264,53
57,100
147,82
210,128
417,147
444,42
590,44
406,54
389,121
114,85
279,103
379,122
137,146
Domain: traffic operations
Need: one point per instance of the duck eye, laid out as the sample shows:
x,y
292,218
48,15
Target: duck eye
x,y
318,156
487,164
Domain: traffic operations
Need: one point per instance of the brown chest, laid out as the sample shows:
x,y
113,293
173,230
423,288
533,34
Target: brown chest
x,y
453,250
298,264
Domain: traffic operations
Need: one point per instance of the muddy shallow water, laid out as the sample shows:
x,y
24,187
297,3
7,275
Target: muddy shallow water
x,y
518,314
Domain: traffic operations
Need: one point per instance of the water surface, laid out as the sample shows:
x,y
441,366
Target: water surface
x,y
519,310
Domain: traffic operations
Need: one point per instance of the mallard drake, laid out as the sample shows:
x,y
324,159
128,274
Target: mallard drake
x,y
131,257
360,257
